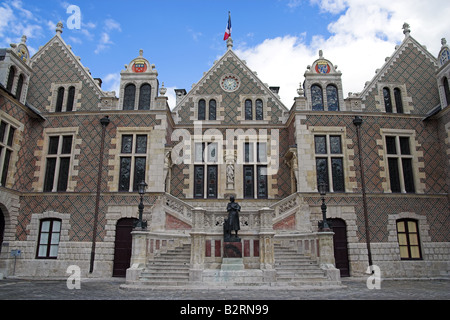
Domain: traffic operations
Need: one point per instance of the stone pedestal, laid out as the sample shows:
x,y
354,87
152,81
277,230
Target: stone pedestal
x,y
138,255
232,264
232,249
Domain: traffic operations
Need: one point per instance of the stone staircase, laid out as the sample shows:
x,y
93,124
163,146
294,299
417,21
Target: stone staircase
x,y
168,269
295,269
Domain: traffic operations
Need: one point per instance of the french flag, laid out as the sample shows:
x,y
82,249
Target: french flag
x,y
228,30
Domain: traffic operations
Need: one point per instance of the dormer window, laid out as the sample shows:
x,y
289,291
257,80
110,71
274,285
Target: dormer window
x,y
332,98
12,74
211,111
64,97
129,97
317,98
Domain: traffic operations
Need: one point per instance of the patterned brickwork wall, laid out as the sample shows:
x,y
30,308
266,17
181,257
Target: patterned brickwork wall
x,y
81,208
416,72
231,103
54,64
427,143
379,208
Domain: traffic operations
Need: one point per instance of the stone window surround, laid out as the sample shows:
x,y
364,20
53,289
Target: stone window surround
x,y
349,174
219,109
323,84
406,100
41,154
18,137
266,109
115,153
138,84
415,155
423,231
33,229
26,81
66,85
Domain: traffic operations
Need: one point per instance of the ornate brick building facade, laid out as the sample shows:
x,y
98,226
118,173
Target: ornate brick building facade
x,y
230,135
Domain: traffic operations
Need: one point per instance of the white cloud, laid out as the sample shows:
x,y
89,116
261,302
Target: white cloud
x,y
362,36
105,38
111,82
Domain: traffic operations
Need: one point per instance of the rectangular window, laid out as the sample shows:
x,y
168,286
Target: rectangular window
x,y
255,170
400,165
49,235
133,161
199,181
330,162
57,169
408,239
205,154
6,143
249,182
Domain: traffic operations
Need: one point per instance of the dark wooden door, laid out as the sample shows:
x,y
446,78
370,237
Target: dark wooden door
x,y
122,246
340,246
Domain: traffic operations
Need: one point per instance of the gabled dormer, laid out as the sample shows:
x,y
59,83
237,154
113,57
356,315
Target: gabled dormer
x,y
138,85
60,82
406,83
323,86
230,93
15,69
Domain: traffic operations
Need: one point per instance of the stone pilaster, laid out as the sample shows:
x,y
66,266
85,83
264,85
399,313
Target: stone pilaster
x,y
198,235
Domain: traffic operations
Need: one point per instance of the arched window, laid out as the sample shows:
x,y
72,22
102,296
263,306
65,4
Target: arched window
x,y
259,110
70,99
129,97
398,100
248,110
59,99
12,74
145,97
387,100
202,110
447,91
332,98
19,87
317,98
212,109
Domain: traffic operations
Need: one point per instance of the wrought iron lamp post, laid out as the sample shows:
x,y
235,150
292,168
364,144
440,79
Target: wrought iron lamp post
x,y
323,225
142,186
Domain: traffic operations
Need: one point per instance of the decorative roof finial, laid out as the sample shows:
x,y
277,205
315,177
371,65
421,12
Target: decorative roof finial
x,y
24,39
406,29
59,27
320,54
162,90
230,43
300,91
444,42
141,53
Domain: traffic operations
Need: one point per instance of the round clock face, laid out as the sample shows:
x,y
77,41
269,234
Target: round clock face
x,y
230,83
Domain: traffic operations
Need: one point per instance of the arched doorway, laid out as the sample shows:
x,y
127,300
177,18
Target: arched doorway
x,y
122,246
2,228
340,246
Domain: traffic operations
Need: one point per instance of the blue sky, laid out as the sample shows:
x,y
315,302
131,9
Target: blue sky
x,y
277,38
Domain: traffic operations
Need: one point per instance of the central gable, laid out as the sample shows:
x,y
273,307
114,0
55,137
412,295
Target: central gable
x,y
228,86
